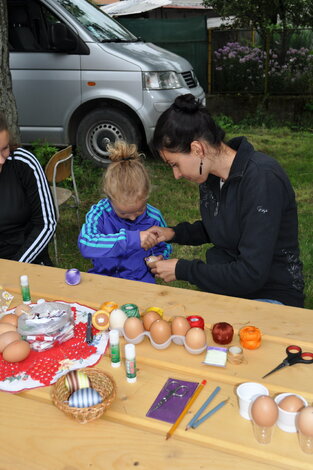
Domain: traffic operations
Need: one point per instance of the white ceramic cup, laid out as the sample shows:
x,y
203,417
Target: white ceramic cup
x,y
287,419
246,393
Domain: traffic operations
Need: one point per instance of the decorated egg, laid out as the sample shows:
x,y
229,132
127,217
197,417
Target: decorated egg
x,y
304,421
151,259
16,351
195,338
148,318
160,331
20,309
7,338
133,327
4,327
291,403
75,380
84,397
264,411
117,319
101,320
180,326
10,318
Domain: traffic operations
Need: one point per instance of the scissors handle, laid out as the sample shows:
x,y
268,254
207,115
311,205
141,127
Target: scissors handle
x,y
295,355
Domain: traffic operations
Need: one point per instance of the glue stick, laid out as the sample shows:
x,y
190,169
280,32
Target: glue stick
x,y
115,348
130,361
25,289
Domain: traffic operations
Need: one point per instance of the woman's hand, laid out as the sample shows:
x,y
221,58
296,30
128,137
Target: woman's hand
x,y
164,269
148,239
163,234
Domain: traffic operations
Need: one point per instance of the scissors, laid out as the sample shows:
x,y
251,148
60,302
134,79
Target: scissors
x,y
294,356
174,391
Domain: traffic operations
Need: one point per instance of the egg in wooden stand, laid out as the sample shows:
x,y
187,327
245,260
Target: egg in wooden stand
x,y
7,338
10,318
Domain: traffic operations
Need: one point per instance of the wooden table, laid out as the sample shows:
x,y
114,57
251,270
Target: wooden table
x,y
36,435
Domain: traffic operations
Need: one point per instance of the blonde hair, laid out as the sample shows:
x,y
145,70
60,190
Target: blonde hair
x,y
126,178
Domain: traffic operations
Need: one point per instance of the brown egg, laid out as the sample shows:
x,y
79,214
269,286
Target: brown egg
x,y
7,338
133,327
195,338
16,351
160,331
4,327
20,309
10,318
291,403
264,411
148,318
304,421
180,326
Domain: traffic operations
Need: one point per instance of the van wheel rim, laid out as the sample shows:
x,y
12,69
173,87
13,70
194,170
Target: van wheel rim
x,y
100,136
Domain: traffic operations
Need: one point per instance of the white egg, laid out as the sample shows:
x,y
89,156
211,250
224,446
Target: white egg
x,y
117,319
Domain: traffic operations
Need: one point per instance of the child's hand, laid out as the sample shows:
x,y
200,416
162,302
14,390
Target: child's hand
x,y
148,240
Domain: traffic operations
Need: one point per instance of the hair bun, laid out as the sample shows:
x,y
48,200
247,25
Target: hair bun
x,y
187,104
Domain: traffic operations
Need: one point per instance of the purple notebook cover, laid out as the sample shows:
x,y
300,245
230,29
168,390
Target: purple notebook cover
x,y
170,410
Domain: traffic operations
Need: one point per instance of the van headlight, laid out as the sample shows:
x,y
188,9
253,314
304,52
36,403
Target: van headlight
x,y
162,80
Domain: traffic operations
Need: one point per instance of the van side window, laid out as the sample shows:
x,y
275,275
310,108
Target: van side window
x,y
34,28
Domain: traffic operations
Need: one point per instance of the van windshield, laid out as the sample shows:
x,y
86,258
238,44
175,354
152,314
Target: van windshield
x,y
100,26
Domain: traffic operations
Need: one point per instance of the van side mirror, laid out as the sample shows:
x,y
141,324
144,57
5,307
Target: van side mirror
x,y
62,39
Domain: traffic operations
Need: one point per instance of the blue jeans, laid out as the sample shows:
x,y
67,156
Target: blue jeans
x,y
269,301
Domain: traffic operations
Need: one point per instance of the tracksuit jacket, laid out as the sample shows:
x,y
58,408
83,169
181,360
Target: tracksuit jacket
x,y
27,213
113,243
251,220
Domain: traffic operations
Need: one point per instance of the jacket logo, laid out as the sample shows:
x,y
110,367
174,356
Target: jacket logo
x,y
262,209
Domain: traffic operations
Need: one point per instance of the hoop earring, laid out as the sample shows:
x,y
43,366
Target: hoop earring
x,y
200,169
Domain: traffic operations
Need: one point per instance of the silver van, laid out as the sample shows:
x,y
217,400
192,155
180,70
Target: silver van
x,y
80,77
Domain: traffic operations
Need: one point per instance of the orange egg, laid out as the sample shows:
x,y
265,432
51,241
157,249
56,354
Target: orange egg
x,y
133,327
20,309
7,338
10,318
160,331
6,327
16,351
180,326
291,403
195,338
264,411
148,318
304,421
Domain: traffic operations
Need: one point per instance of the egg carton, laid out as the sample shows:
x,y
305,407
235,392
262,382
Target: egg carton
x,y
177,339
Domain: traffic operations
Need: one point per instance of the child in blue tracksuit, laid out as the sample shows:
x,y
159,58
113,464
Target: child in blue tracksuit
x,y
114,235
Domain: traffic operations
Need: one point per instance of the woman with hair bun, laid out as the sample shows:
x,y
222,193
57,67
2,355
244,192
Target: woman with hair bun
x,y
248,211
115,235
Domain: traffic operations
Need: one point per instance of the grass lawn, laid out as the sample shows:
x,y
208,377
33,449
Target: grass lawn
x,y
178,200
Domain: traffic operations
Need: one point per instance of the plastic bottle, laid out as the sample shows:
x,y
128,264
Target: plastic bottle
x,y
115,348
25,289
130,361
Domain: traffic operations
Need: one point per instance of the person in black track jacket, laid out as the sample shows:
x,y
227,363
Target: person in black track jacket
x,y
248,211
27,213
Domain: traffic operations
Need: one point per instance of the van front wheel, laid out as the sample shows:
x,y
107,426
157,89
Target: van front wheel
x,y
100,128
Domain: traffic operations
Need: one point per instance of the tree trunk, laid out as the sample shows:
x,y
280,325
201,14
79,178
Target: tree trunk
x,y
7,100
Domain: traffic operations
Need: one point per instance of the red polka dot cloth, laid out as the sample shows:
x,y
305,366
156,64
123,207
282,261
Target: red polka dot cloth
x,y
42,368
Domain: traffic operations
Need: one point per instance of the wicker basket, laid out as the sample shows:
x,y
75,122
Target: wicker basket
x,y
100,381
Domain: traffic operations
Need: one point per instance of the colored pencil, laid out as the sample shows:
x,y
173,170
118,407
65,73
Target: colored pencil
x,y
210,413
203,407
188,405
